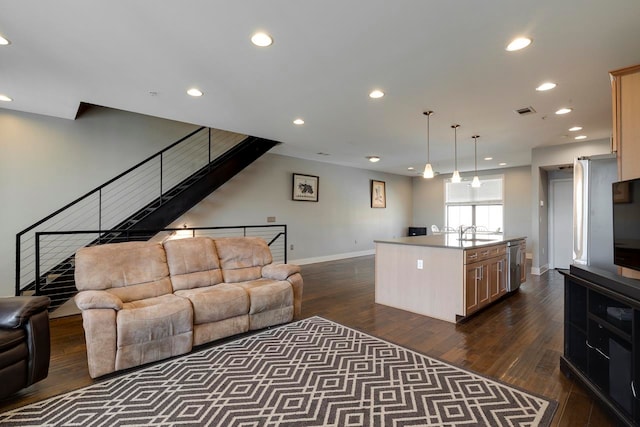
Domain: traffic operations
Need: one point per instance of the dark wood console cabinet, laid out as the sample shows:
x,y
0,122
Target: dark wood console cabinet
x,y
602,338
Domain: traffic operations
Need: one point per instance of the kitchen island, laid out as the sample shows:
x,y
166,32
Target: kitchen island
x,y
442,275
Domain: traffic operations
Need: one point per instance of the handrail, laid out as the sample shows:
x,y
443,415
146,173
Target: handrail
x,y
149,234
111,181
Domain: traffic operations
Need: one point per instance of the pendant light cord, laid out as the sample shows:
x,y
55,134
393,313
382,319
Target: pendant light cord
x,y
455,146
428,114
428,117
475,152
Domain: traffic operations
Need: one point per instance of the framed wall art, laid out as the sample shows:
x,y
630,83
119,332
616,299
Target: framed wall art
x,y
305,187
378,194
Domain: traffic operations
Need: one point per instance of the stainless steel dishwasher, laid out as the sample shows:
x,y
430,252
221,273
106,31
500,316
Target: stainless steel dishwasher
x,y
514,258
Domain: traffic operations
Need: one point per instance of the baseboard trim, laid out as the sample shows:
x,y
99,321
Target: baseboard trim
x,y
335,257
540,270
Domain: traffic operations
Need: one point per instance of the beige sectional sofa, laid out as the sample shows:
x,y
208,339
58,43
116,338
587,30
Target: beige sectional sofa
x,y
143,301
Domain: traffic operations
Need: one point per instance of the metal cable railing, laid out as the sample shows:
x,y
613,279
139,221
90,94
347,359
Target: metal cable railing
x,y
51,246
111,204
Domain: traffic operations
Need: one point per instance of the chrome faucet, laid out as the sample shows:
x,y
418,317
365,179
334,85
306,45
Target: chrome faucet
x,y
462,230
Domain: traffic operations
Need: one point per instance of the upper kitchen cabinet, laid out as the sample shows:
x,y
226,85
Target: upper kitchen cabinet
x,y
625,87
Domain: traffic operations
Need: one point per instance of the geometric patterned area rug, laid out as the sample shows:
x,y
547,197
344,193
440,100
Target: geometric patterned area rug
x,y
312,372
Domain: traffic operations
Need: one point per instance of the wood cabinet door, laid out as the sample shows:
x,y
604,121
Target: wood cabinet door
x,y
625,93
497,277
484,293
496,280
523,263
503,275
471,276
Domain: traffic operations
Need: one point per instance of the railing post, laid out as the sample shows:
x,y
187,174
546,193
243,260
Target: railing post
x,y
285,243
18,236
209,137
100,212
37,263
161,162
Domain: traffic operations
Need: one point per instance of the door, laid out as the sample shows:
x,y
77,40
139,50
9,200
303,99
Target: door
x,y
471,276
522,252
560,223
484,294
497,277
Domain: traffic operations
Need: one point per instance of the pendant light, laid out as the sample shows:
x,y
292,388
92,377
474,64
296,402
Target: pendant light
x,y
428,170
476,181
455,178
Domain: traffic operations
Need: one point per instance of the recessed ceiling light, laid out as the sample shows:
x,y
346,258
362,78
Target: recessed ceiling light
x,y
581,137
261,39
298,122
4,42
5,98
502,164
546,86
519,43
411,168
376,94
564,110
575,128
488,158
194,92
373,159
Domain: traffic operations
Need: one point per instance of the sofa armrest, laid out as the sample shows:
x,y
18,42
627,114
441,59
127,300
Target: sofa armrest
x,y
279,271
86,300
16,311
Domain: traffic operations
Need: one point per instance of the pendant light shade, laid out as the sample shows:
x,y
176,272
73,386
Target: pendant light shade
x,y
476,181
455,178
428,170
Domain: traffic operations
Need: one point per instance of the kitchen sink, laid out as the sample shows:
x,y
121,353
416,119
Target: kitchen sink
x,y
477,240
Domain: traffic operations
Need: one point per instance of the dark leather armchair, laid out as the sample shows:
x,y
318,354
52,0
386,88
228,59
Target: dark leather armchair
x,y
24,342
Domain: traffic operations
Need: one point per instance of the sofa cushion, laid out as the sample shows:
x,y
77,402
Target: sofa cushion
x,y
193,262
268,294
120,265
152,319
217,302
242,258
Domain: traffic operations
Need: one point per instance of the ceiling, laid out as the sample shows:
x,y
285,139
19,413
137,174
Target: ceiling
x,y
441,55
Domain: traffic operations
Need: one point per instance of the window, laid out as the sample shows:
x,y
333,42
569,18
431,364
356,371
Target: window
x,y
481,207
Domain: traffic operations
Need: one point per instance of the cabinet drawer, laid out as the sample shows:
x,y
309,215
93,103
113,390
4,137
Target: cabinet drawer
x,y
479,254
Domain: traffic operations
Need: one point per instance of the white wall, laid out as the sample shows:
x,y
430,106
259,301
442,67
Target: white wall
x,y
428,200
342,222
46,163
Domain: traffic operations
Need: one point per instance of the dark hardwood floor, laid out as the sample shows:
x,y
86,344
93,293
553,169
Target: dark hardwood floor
x,y
518,341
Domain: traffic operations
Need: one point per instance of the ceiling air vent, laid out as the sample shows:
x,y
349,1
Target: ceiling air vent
x,y
526,110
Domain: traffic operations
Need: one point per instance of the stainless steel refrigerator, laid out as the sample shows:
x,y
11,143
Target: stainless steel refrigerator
x,y
592,211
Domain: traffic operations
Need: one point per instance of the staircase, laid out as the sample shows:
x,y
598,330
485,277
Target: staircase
x,y
149,196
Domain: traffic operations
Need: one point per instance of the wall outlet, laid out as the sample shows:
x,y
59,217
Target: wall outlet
x,y
271,219
420,264
355,242
291,247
